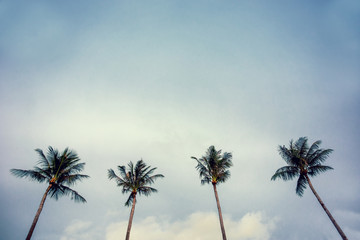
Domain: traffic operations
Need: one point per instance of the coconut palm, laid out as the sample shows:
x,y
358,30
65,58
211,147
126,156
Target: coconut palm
x,y
304,162
136,179
213,168
59,171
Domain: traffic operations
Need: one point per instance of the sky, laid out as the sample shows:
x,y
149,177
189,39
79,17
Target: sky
x,y
120,81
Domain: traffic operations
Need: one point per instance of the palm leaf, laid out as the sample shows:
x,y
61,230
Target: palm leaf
x,y
129,201
317,169
74,194
31,174
43,161
286,173
319,156
301,185
313,148
302,147
70,180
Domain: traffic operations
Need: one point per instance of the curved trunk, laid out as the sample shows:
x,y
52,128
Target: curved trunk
x,y
131,218
28,237
219,210
342,234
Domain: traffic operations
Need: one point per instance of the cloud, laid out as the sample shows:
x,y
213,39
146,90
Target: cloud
x,y
78,230
198,226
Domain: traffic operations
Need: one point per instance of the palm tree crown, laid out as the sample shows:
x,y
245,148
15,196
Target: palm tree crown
x,y
302,160
135,179
214,166
60,170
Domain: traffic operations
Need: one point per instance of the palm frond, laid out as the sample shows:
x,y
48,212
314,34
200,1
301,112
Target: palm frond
x,y
31,174
112,174
129,201
122,171
150,179
223,176
301,185
319,156
301,146
286,173
43,161
317,169
146,190
55,191
74,194
285,154
45,172
313,148
204,169
70,180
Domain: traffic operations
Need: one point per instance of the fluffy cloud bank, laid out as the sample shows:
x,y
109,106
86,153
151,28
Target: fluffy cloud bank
x,y
198,226
78,230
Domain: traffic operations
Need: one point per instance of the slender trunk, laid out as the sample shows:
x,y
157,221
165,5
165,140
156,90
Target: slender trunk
x,y
28,237
220,214
131,217
342,234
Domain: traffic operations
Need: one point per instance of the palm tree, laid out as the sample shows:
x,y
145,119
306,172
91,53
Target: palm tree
x,y
213,168
60,171
304,162
134,180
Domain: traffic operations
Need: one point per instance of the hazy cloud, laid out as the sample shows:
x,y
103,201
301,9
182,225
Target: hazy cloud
x,y
197,226
78,230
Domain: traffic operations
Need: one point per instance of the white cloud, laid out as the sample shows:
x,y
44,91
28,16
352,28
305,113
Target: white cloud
x,y
198,226
78,230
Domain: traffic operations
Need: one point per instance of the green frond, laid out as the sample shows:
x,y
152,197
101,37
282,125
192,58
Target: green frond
x,y
319,156
223,176
55,191
313,148
301,185
285,154
301,146
146,190
151,179
73,194
122,171
205,180
204,170
317,169
70,180
111,174
129,201
31,174
43,161
286,173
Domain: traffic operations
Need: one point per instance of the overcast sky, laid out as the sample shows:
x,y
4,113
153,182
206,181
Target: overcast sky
x,y
118,81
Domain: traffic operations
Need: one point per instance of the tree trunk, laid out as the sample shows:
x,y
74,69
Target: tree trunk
x,y
220,214
342,234
28,237
131,217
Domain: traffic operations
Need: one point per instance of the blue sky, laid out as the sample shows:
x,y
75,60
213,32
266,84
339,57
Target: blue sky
x,y
163,80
